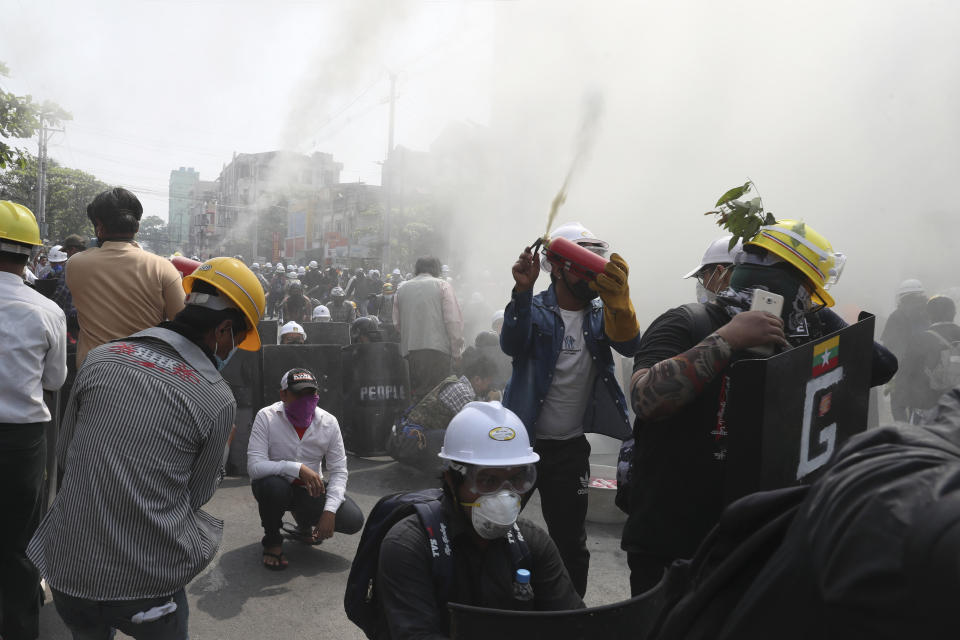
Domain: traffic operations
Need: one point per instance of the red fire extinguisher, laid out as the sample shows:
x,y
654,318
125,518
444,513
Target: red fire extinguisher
x,y
185,266
579,261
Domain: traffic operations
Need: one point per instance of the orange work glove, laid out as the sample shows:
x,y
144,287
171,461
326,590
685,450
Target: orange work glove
x,y
619,318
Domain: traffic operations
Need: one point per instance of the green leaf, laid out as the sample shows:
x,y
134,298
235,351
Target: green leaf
x,y
732,243
733,194
769,220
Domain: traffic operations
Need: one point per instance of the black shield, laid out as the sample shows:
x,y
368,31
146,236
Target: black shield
x,y
322,360
376,389
337,333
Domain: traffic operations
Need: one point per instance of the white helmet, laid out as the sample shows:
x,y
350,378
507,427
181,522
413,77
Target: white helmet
x,y
374,273
910,286
718,253
279,268
321,314
301,271
56,255
395,272
255,265
578,234
445,269
487,434
337,292
497,317
313,264
269,265
292,327
280,265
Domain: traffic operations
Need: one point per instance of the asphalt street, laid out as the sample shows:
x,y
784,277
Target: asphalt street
x,y
236,598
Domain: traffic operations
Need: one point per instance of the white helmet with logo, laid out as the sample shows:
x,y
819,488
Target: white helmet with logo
x,y
56,254
578,234
301,271
321,314
313,264
487,434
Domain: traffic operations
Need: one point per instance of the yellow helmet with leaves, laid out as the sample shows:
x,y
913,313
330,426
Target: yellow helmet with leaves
x,y
801,246
240,285
18,228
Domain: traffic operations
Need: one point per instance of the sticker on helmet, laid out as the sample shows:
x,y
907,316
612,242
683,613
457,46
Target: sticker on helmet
x,y
204,267
502,433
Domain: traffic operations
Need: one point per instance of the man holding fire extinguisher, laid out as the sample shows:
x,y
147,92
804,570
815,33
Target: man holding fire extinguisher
x,y
563,383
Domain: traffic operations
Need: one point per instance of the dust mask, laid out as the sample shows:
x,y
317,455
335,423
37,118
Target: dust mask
x,y
494,514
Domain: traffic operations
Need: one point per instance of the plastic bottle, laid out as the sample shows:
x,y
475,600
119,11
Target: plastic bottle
x,y
522,589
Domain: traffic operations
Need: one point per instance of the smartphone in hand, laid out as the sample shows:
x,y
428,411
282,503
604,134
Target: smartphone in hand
x,y
772,303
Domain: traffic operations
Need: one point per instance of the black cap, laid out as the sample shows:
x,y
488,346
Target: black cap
x,y
298,380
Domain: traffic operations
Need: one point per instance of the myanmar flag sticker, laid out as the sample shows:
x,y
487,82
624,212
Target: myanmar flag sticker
x,y
826,356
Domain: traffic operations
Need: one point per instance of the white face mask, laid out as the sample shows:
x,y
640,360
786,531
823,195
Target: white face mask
x,y
704,295
494,514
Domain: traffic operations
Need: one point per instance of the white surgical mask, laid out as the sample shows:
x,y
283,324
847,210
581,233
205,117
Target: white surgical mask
x,y
704,295
222,363
494,514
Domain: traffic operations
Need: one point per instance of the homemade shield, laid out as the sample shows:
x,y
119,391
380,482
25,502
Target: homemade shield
x,y
376,390
268,331
327,333
322,360
783,417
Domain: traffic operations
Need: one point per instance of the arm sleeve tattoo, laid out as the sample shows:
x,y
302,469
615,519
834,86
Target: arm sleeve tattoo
x,y
673,383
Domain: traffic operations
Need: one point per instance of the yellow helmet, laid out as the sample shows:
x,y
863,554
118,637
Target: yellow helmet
x,y
805,249
240,285
17,225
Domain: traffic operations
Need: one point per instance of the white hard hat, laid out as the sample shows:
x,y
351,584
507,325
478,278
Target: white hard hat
x,y
56,255
395,272
487,434
374,273
269,265
291,275
579,234
301,271
910,286
445,269
292,327
280,265
279,268
321,313
337,292
255,265
497,317
313,264
718,253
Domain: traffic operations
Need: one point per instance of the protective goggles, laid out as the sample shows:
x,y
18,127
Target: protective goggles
x,y
484,480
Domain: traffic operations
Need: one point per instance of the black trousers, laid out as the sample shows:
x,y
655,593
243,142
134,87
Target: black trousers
x,y
428,367
96,620
563,474
23,455
645,571
276,495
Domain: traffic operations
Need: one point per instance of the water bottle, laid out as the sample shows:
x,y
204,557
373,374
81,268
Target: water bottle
x,y
523,590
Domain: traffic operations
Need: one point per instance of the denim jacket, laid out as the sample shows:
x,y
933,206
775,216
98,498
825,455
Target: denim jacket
x,y
532,335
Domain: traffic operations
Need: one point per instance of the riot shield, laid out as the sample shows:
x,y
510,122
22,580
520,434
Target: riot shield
x,y
783,417
327,333
243,374
631,619
322,360
268,331
376,390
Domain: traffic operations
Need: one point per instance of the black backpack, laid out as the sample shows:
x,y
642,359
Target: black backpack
x,y
361,602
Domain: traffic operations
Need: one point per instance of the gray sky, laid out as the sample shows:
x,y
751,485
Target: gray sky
x,y
845,114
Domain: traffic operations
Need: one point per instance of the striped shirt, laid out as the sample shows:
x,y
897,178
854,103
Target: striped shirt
x,y
141,446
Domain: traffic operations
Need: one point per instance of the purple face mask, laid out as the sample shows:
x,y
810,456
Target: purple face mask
x,y
300,411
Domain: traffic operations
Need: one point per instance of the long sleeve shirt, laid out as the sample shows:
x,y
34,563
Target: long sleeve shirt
x,y
141,446
33,333
427,314
275,449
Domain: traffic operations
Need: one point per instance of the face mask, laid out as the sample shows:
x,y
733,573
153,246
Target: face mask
x,y
494,514
300,411
581,291
221,363
704,295
796,300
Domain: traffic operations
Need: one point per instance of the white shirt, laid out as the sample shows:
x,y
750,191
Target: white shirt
x,y
276,450
561,417
33,355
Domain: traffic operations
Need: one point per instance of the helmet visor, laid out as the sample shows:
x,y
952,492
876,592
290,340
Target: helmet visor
x,y
839,260
484,480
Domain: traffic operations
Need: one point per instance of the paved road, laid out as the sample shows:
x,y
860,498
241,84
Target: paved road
x,y
236,598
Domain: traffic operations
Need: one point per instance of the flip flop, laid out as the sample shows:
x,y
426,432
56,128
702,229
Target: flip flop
x,y
296,533
281,561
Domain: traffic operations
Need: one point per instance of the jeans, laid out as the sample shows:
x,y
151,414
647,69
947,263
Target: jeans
x,y
93,620
23,456
276,495
563,474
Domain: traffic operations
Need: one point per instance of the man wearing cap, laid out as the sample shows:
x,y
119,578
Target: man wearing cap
x,y
563,384
289,441
141,447
292,333
33,359
118,288
716,266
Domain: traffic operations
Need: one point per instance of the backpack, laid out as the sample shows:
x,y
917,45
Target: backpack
x,y
946,374
702,327
360,601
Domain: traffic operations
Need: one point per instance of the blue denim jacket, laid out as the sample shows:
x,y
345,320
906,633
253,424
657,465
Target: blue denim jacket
x,y
532,335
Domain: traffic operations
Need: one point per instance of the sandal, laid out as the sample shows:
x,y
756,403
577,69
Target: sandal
x,y
281,561
304,536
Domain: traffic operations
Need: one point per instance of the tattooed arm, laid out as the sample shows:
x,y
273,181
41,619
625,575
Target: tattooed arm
x,y
672,383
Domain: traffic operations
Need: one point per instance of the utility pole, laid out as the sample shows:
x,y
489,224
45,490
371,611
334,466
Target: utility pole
x,y
42,174
388,187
